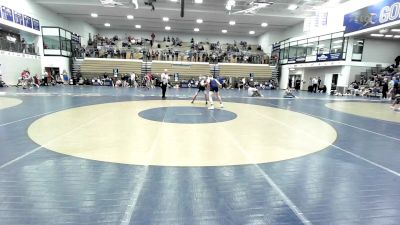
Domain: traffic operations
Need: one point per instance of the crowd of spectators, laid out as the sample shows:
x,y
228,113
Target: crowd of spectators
x,y
15,43
384,84
171,49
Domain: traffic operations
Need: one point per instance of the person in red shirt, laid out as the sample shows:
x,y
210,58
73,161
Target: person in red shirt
x,y
148,80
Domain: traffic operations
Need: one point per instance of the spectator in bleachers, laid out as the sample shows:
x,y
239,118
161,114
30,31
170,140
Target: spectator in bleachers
x,y
104,47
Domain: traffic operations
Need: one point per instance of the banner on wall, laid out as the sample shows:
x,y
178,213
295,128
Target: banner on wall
x,y
76,38
291,60
18,18
329,57
28,21
7,13
35,24
300,59
385,12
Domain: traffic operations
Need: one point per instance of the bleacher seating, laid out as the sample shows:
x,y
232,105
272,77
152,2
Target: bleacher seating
x,y
261,72
185,70
97,67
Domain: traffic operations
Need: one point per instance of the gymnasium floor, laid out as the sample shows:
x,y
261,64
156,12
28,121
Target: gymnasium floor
x,y
97,155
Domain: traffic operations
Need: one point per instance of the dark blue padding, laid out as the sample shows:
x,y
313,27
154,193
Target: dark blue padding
x,y
187,115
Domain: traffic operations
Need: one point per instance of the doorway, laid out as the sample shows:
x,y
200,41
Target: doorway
x,y
294,81
54,73
334,81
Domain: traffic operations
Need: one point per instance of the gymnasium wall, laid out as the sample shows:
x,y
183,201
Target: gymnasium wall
x,y
46,18
379,50
268,39
12,65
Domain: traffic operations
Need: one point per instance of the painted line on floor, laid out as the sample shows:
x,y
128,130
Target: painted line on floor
x,y
126,220
43,114
299,214
336,147
55,139
359,128
342,123
27,118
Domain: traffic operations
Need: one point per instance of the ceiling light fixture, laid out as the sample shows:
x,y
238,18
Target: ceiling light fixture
x,y
252,32
224,31
174,0
138,26
383,31
377,35
230,4
292,7
167,28
396,36
130,17
389,35
107,24
94,15
395,30
198,1
264,24
232,22
196,29
199,21
165,19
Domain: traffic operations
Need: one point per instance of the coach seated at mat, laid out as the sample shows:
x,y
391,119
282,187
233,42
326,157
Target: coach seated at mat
x,y
253,92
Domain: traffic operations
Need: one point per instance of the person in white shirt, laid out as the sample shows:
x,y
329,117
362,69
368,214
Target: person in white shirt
x,y
133,80
314,82
253,92
164,82
243,83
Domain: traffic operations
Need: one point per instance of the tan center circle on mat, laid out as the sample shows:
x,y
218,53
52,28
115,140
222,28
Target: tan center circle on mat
x,y
9,102
115,133
379,111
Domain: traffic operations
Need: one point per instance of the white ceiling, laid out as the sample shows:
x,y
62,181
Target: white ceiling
x,y
212,12
394,31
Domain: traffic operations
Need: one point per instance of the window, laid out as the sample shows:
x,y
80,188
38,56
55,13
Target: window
x,y
286,51
292,49
311,49
358,48
329,47
337,45
56,41
302,49
324,44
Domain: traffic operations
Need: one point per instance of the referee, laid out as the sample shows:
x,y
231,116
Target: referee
x,y
164,81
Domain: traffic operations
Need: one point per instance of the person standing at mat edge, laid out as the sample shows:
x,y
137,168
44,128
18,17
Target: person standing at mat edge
x,y
164,80
314,82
